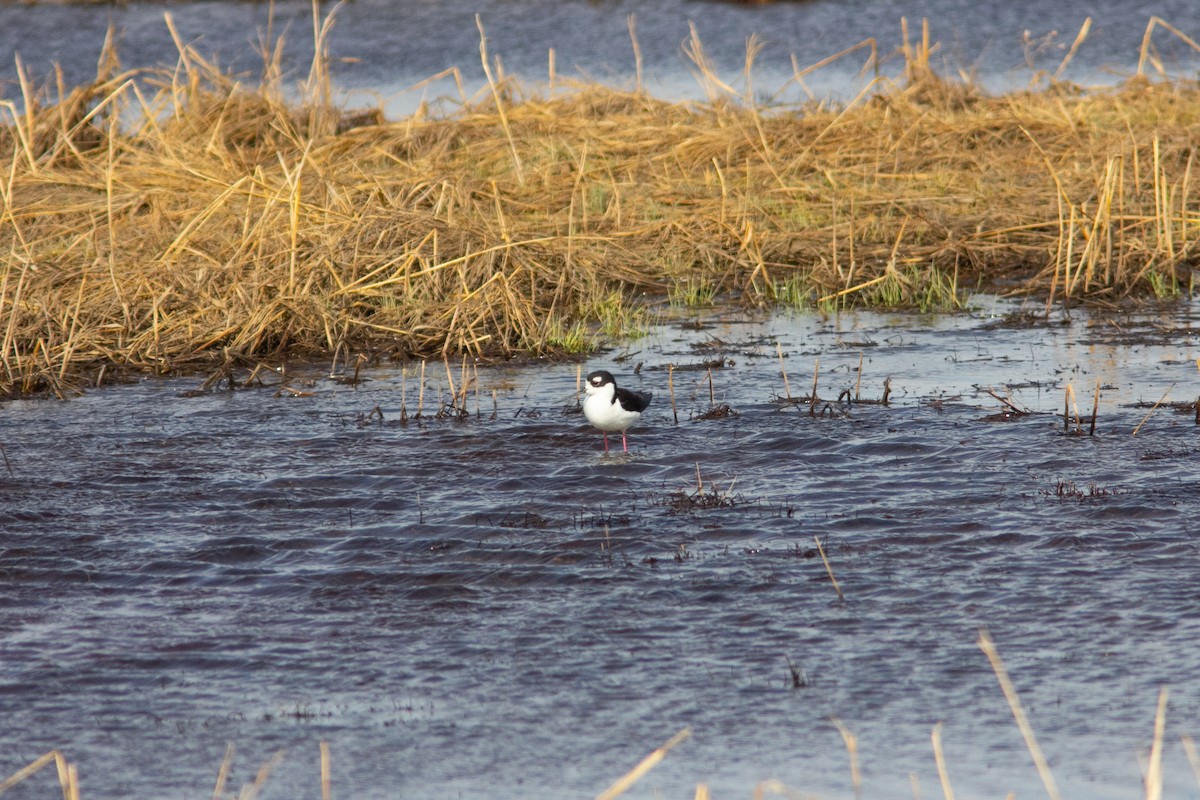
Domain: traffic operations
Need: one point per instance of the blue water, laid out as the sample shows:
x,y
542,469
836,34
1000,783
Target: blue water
x,y
491,606
384,47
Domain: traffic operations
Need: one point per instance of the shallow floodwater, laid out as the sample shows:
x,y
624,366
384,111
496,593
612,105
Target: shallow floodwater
x,y
493,607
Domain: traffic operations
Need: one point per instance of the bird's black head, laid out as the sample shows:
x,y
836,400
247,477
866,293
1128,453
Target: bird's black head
x,y
599,378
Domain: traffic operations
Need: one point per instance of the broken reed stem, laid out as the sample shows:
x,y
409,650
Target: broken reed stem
x,y
223,772
251,791
671,389
699,481
475,366
32,767
326,782
1014,703
852,748
1154,769
858,382
787,390
65,772
464,383
421,392
1068,403
645,765
1151,411
712,392
450,380
1193,757
829,570
939,758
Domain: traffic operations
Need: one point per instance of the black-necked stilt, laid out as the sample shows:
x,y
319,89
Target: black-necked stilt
x,y
611,409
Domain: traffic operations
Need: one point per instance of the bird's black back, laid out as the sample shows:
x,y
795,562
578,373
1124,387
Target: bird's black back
x,y
633,401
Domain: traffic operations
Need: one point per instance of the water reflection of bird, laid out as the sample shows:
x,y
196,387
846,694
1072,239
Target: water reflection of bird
x,y
611,409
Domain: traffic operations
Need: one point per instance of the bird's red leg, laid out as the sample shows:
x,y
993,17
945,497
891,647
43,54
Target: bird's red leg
x,y
605,435
624,445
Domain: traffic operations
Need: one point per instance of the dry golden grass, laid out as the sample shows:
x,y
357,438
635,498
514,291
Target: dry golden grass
x,y
177,219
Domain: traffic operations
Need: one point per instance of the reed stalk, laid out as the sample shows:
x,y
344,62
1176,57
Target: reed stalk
x,y
1153,408
1154,776
645,765
787,390
326,780
829,569
1014,703
851,742
939,758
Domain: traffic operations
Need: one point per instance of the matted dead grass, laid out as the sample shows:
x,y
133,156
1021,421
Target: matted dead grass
x,y
172,219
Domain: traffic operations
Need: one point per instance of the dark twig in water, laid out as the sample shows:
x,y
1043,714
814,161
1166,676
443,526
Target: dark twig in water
x,y
799,679
718,412
365,419
812,406
7,463
1012,407
675,412
1095,409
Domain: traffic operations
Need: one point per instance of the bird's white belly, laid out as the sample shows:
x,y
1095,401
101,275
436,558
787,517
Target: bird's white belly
x,y
606,415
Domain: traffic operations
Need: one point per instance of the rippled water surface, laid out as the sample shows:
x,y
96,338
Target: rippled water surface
x,y
493,607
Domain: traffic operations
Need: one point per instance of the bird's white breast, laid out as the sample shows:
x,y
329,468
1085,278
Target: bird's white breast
x,y
601,410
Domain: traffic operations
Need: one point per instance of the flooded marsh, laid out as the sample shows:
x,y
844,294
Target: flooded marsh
x,y
317,510
488,605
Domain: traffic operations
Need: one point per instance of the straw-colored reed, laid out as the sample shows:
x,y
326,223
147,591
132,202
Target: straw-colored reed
x,y
175,219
